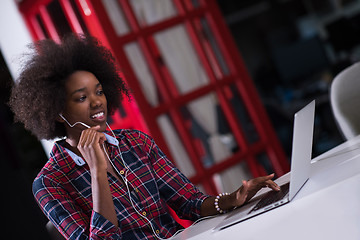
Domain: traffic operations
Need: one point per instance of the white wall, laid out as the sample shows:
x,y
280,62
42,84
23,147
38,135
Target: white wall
x,y
14,38
14,35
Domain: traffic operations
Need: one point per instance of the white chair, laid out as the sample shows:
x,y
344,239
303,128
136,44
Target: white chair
x,y
345,100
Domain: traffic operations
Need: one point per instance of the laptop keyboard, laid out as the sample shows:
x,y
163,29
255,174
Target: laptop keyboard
x,y
272,197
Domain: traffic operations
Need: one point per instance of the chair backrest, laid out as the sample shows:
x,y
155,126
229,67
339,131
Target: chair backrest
x,y
345,100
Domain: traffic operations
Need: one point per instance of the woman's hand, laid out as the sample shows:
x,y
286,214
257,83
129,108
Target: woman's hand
x,y
90,147
251,187
239,197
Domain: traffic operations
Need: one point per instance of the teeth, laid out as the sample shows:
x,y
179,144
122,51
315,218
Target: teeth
x,y
97,115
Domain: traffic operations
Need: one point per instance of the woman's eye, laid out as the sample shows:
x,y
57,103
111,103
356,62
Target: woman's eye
x,y
100,92
81,99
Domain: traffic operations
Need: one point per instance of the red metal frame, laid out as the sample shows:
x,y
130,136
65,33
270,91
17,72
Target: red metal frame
x,y
141,115
71,16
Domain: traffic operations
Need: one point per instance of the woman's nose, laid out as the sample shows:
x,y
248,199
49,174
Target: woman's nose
x,y
96,102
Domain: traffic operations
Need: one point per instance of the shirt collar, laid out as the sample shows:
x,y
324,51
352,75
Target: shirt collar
x,y
80,161
77,159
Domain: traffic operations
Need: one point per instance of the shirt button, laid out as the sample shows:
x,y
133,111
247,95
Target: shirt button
x,y
157,231
122,172
136,190
144,213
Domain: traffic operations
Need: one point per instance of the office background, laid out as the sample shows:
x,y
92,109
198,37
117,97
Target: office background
x,y
292,50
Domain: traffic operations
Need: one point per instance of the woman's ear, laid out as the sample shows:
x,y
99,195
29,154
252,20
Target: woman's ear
x,y
60,118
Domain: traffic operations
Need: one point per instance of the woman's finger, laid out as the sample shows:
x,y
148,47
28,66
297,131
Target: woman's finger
x,y
271,184
92,136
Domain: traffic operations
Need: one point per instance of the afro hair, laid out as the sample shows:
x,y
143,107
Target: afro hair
x,y
38,95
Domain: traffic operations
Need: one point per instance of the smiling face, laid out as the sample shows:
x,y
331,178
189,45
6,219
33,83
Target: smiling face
x,y
85,102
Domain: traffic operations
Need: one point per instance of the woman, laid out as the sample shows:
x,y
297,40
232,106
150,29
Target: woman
x,y
102,184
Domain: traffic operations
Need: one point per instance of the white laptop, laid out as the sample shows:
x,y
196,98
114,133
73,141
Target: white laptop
x,y
299,173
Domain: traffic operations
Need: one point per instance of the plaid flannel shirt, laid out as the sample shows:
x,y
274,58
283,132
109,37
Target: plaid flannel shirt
x,y
63,191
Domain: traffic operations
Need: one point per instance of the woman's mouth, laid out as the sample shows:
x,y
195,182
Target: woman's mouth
x,y
98,115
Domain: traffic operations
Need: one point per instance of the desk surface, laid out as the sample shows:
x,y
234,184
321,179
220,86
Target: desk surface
x,y
328,206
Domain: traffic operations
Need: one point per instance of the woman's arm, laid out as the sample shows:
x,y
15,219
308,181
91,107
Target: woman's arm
x,y
185,198
90,146
101,196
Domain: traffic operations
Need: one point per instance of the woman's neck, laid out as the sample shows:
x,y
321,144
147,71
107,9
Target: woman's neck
x,y
71,144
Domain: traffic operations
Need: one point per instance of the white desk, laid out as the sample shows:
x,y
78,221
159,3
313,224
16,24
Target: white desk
x,y
327,207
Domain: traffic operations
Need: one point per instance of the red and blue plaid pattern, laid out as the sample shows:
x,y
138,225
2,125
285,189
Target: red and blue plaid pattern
x,y
63,191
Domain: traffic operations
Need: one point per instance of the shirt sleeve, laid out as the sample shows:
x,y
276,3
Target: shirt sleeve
x,y
67,217
175,188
